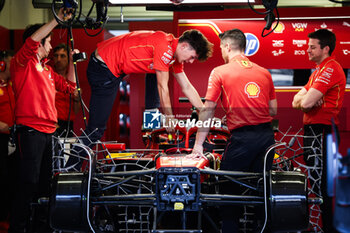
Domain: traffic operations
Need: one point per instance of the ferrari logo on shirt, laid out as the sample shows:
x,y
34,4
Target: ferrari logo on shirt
x,y
252,90
1,92
245,64
39,67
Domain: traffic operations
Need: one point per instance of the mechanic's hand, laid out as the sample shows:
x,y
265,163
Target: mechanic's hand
x,y
4,127
76,95
170,123
224,120
75,51
65,14
197,149
319,103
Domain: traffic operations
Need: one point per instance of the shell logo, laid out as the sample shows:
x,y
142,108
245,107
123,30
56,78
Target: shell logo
x,y
252,90
280,27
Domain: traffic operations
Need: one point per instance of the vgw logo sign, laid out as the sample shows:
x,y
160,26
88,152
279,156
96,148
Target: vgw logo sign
x,y
151,119
253,44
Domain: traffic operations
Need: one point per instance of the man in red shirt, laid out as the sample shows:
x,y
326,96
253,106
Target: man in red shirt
x,y
35,86
248,97
7,105
66,105
141,52
321,100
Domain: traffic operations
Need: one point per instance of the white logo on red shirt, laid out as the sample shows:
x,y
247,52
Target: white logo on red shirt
x,y
325,76
168,56
210,79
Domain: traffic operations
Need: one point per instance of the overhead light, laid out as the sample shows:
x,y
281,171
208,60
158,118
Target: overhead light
x,y
169,2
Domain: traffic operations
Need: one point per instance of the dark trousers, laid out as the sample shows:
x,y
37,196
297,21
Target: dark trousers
x,y
65,128
151,92
245,151
321,131
104,88
6,177
34,178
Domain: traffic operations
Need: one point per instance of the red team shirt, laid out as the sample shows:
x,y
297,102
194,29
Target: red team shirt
x,y
34,85
328,78
62,106
140,52
244,97
7,103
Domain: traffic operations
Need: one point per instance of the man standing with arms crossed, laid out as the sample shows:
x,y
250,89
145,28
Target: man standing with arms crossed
x,y
321,100
248,97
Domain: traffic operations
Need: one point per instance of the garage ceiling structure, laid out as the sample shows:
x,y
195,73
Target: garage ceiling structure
x,y
153,10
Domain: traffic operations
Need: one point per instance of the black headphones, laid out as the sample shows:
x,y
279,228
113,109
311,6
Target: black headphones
x,y
3,54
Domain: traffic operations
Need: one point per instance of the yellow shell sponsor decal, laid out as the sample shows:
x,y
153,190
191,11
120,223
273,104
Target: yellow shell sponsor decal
x,y
1,92
252,90
39,67
280,27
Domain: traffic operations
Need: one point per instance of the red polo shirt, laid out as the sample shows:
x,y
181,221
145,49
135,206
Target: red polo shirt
x,y
62,105
245,89
140,52
328,78
34,85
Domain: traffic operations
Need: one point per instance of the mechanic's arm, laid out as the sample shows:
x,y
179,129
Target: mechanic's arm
x,y
188,89
273,107
297,98
312,98
42,32
163,90
207,112
71,71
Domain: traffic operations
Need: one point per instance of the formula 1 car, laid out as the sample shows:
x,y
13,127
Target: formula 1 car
x,y
166,189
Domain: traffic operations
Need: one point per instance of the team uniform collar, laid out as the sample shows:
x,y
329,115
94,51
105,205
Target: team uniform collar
x,y
242,60
239,58
325,61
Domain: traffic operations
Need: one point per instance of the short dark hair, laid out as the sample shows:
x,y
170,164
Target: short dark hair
x,y
326,38
5,54
235,35
30,29
61,46
198,42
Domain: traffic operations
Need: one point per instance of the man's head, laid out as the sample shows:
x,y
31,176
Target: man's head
x,y
193,45
232,41
5,60
321,45
60,58
45,45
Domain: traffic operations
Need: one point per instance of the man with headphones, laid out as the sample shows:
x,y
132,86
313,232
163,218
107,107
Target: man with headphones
x,y
7,104
35,84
